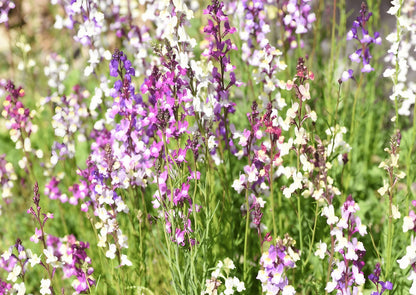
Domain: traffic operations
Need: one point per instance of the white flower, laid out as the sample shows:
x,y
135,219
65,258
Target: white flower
x,y
408,224
321,251
228,264
33,258
125,261
330,286
111,253
45,286
382,191
20,288
14,273
50,258
395,212
288,290
329,213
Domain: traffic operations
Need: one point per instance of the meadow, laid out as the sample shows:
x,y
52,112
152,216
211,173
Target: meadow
x,y
207,147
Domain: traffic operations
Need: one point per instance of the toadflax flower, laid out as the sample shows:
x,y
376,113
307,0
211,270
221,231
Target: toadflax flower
x,y
280,257
360,33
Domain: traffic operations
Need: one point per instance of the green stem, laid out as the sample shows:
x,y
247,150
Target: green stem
x,y
390,229
331,259
246,238
408,159
313,235
299,202
272,195
354,106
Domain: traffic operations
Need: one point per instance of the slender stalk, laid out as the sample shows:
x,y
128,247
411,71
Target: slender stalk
x,y
313,235
390,229
246,237
354,106
271,194
408,159
331,259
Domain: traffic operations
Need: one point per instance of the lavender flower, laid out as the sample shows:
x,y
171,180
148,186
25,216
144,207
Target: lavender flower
x,y
4,287
218,29
7,178
255,27
5,7
19,122
361,34
296,17
280,257
347,271
375,278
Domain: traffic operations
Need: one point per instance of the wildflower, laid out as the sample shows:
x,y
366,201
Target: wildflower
x,y
5,7
321,251
296,17
20,288
13,275
347,271
221,279
280,257
362,54
45,286
375,278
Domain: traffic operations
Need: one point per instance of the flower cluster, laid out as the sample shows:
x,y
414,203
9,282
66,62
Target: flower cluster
x,y
66,253
409,259
400,56
280,257
391,165
296,17
375,278
255,28
268,60
220,276
56,71
16,264
70,116
7,178
5,7
70,255
88,19
19,121
170,89
218,28
360,33
347,271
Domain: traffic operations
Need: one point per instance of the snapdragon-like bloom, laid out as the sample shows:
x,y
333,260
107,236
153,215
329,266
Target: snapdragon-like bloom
x,y
402,60
221,280
4,287
296,17
7,178
255,28
218,29
280,257
5,7
347,274
360,33
375,278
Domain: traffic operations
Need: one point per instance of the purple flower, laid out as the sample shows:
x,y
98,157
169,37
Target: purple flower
x,y
362,54
5,7
280,257
296,17
347,271
375,278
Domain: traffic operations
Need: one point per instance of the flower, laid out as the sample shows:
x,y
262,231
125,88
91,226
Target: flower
x,y
362,54
45,286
